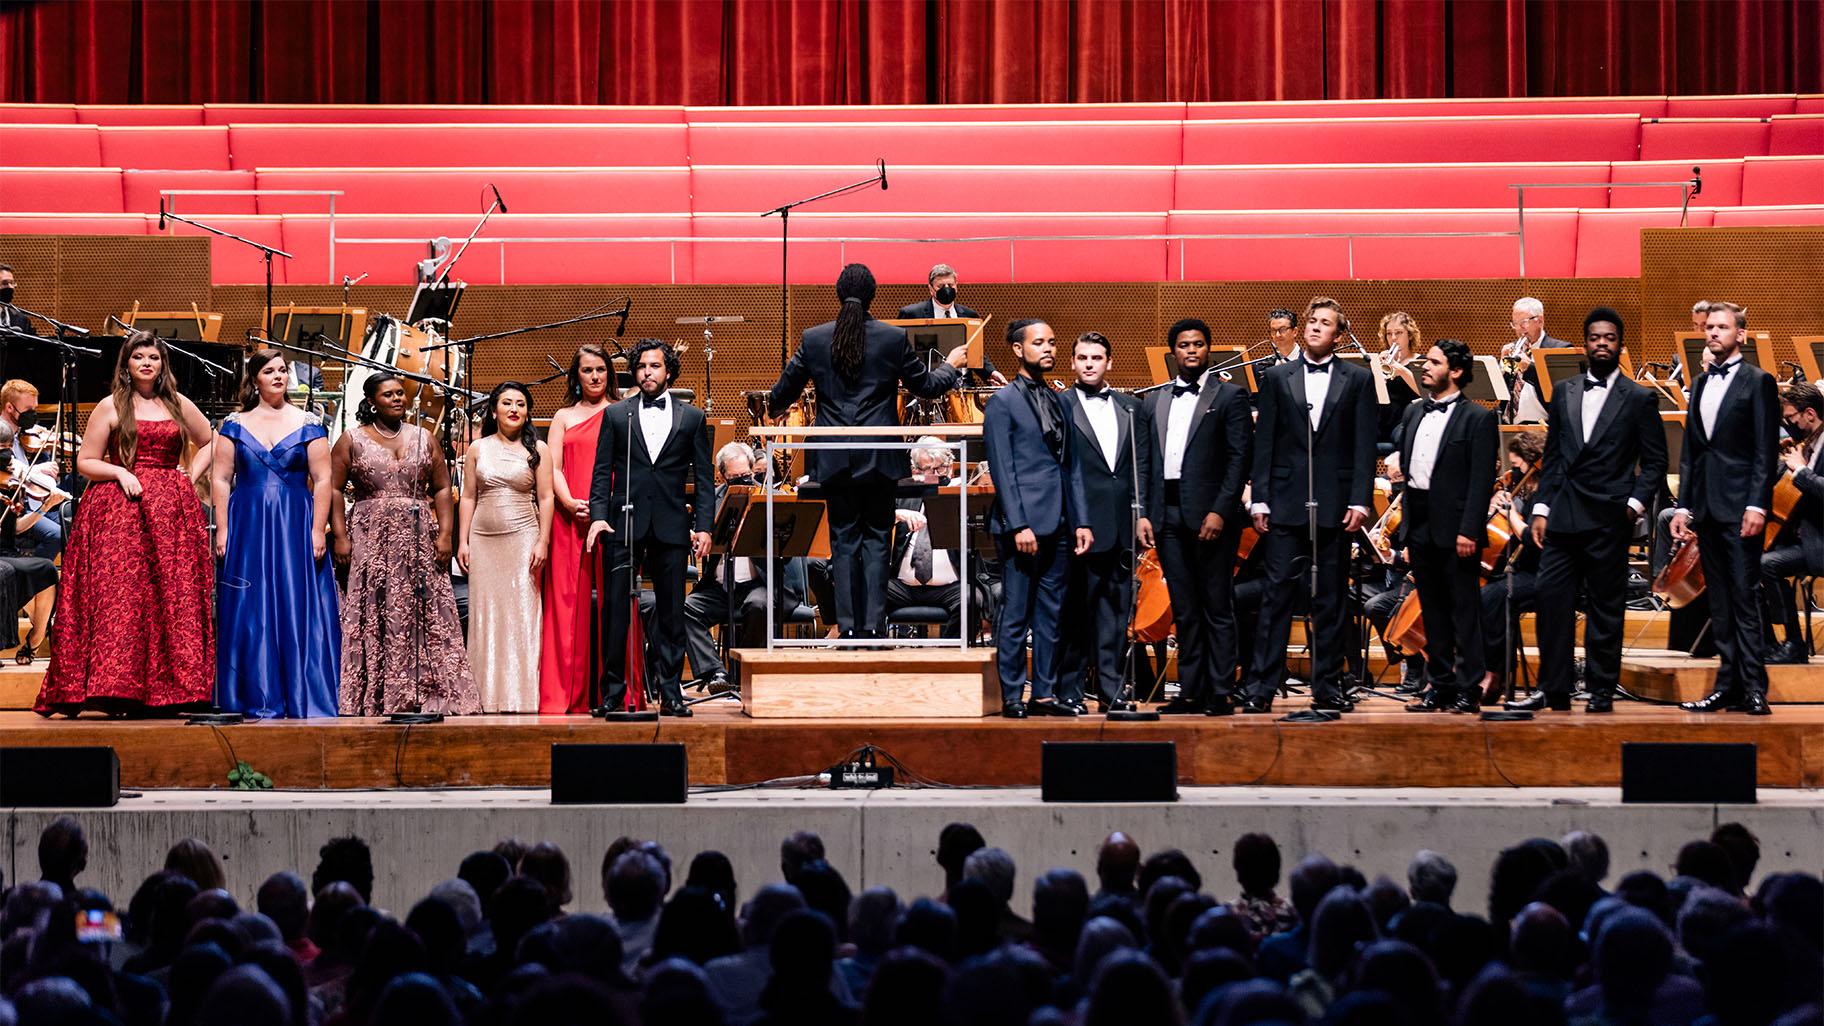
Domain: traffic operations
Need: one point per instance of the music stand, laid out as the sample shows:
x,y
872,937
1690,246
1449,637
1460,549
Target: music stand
x,y
1490,386
1810,351
1674,423
1380,380
1757,349
942,520
175,325
435,301
940,335
1554,365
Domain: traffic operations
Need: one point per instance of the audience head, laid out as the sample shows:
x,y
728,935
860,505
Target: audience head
x,y
993,868
546,863
696,926
462,900
484,871
1099,938
1706,916
63,851
872,917
1257,865
677,994
1387,900
1518,871
1588,854
1060,901
796,850
1311,879
824,890
635,886
1168,862
1128,987
1117,862
333,903
240,995
761,917
928,926
955,843
418,999
1342,925
1541,942
1431,877
1709,863
1632,956
346,859
907,989
1644,889
1743,849
193,858
713,872
284,900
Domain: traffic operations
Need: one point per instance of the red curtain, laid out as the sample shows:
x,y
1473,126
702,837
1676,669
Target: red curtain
x,y
896,51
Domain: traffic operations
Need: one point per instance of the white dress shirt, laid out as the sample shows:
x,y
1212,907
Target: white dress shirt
x,y
655,424
1426,441
938,310
1317,387
1714,389
1594,399
1099,407
943,573
1178,428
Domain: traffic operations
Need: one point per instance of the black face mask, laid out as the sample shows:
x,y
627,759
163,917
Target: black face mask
x,y
1793,431
740,479
6,293
27,420
946,294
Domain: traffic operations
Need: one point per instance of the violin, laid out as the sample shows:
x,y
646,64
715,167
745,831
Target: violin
x,y
1500,529
16,489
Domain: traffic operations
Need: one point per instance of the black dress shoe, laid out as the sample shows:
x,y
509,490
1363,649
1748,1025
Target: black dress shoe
x,y
1756,705
1076,708
1013,710
1118,705
1787,654
1600,703
1715,701
1256,706
1540,701
1050,707
1219,705
1430,701
1180,707
1341,705
675,709
1469,700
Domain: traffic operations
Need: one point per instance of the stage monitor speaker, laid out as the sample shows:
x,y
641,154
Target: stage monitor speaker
x,y
59,777
1705,774
636,774
1108,771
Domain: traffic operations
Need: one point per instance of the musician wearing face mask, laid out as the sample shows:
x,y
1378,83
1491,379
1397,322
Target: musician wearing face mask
x,y
1800,546
1725,487
1605,460
19,411
943,303
11,316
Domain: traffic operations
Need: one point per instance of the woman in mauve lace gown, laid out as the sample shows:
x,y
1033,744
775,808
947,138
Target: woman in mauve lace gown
x,y
133,634
402,645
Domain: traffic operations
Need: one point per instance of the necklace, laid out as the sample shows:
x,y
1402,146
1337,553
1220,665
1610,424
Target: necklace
x,y
378,430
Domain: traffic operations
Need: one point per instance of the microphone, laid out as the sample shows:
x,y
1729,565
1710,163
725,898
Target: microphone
x,y
1659,366
621,328
502,203
347,281
161,214
883,173
558,367
1697,182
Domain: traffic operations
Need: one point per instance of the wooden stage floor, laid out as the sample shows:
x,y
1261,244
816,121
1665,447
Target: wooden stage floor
x,y
1378,746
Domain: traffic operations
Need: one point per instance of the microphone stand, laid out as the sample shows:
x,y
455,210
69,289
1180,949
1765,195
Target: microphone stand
x,y
266,252
68,355
784,211
444,274
1125,710
467,345
630,710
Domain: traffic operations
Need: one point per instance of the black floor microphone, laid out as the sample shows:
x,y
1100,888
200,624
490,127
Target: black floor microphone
x,y
502,203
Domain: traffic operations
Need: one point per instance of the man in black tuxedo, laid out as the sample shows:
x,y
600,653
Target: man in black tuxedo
x,y
1313,444
651,445
942,283
1800,546
1448,449
1529,331
1726,475
1201,433
1039,520
11,316
1113,440
1605,460
857,364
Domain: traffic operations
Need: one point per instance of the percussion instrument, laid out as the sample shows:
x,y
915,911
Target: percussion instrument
x,y
802,413
965,405
402,346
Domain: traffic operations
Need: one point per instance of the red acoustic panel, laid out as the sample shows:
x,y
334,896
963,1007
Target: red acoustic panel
x,y
1307,186
140,190
37,114
1745,106
1722,183
471,145
858,144
192,147
1638,106
735,189
233,261
50,145
1412,140
433,190
1800,134
307,236
1608,241
1736,217
1278,251
82,190
1701,138
139,114
944,112
423,114
1768,181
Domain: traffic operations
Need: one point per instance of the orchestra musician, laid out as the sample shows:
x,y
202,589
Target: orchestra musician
x,y
1700,312
1401,339
1605,460
1799,549
19,412
652,444
1040,519
1506,596
922,574
1528,323
11,317
1314,444
1726,477
1201,428
1282,331
1449,447
941,281
857,365
1113,440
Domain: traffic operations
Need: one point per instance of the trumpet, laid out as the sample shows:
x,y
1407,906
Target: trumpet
x,y
1512,354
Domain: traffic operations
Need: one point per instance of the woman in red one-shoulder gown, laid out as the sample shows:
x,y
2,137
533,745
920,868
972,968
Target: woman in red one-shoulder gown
x,y
571,646
133,633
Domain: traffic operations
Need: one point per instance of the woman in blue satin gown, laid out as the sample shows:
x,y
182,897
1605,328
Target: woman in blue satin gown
x,y
278,637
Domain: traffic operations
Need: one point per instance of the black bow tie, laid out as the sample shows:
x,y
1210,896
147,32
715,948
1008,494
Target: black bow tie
x,y
1595,383
1433,405
1183,387
653,402
1317,368
1720,369
1092,393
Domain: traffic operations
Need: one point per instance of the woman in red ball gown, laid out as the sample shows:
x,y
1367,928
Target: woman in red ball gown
x,y
567,666
133,633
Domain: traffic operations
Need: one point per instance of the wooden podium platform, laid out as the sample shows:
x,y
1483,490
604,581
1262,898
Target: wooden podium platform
x,y
914,683
1673,676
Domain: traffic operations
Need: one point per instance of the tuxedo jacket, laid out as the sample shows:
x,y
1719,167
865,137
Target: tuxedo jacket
x,y
1342,456
1032,489
1462,478
1216,452
1587,485
928,309
1729,465
657,479
1109,489
871,401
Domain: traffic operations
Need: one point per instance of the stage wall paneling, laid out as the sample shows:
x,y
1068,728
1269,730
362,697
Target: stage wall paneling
x,y
1777,273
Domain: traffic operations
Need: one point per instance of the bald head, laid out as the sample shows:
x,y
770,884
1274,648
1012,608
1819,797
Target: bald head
x,y
1116,863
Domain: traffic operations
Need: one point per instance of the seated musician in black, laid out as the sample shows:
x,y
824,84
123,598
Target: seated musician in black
x,y
1516,589
943,303
923,575
1799,548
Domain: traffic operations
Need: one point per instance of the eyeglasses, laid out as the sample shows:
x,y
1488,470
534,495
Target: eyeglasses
x,y
1522,322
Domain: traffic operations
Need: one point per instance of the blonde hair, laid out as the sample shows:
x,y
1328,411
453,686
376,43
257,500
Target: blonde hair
x,y
16,387
1415,339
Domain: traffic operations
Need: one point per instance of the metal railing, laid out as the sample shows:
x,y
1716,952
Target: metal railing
x,y
172,194
1689,187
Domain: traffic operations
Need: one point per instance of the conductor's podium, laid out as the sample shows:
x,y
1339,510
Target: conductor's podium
x,y
906,683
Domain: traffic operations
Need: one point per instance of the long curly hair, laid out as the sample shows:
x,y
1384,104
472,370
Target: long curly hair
x,y
250,375
1415,339
855,287
528,435
164,389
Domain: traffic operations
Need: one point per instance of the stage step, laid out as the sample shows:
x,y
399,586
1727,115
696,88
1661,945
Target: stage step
x,y
917,683
19,684
1672,676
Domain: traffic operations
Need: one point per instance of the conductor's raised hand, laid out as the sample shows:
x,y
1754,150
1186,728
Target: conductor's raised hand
x,y
959,357
596,530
